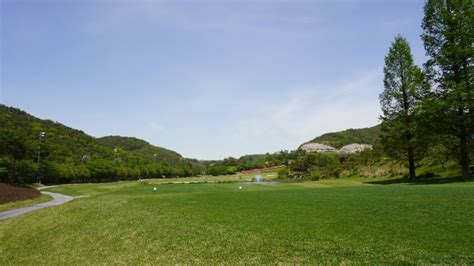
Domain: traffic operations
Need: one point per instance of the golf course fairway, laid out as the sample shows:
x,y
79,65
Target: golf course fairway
x,y
336,221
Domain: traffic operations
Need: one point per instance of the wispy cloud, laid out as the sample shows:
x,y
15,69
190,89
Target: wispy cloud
x,y
309,113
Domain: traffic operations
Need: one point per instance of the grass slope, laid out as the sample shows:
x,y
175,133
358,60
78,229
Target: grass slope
x,y
338,221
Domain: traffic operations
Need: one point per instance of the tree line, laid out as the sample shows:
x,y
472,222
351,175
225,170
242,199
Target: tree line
x,y
35,150
431,106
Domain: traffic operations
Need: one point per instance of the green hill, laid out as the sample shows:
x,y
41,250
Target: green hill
x,y
61,140
142,149
338,139
70,155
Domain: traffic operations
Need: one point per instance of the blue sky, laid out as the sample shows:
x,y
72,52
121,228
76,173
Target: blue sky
x,y
208,79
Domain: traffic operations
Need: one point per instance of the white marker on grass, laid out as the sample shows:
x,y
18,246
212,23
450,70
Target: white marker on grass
x,y
240,187
154,189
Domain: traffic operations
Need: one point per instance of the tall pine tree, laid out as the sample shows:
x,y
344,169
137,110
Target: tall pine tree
x,y
403,82
448,36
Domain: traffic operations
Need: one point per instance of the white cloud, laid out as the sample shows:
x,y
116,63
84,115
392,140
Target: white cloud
x,y
354,104
310,113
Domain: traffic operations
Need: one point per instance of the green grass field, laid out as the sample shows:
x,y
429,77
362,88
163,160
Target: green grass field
x,y
335,221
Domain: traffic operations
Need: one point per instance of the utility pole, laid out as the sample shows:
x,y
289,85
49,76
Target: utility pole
x,y
40,137
154,165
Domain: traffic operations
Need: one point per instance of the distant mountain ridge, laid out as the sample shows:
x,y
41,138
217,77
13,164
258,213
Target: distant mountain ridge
x,y
77,143
71,155
67,141
350,136
141,148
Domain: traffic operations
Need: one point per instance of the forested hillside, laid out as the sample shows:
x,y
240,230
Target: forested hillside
x,y
70,155
142,148
338,139
37,150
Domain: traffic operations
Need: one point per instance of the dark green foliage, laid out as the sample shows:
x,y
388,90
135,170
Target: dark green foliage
x,y
69,155
142,148
349,136
448,35
16,153
323,166
400,101
126,143
283,173
220,169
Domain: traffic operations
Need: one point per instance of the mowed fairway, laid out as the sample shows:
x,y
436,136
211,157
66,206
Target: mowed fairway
x,y
328,222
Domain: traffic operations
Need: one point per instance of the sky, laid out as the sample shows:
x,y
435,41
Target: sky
x,y
208,79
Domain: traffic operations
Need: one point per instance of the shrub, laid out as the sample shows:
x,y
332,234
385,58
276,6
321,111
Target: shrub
x,y
25,171
283,173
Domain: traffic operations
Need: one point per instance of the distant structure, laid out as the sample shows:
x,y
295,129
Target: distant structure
x,y
354,147
318,147
348,149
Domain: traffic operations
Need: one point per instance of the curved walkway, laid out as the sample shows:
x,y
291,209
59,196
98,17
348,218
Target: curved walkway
x,y
58,199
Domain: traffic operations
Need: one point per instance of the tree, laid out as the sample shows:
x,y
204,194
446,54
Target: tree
x,y
14,149
448,35
403,82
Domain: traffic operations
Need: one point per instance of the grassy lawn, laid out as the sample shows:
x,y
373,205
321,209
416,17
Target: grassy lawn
x,y
24,203
336,221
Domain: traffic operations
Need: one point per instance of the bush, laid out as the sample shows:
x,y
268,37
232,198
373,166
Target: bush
x,y
283,173
25,171
427,175
320,165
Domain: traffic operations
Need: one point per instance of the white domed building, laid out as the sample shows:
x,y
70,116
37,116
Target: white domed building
x,y
354,147
318,147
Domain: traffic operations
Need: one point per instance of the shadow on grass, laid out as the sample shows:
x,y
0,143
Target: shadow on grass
x,y
420,181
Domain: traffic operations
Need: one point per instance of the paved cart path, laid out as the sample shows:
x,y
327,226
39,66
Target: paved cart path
x,y
58,199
